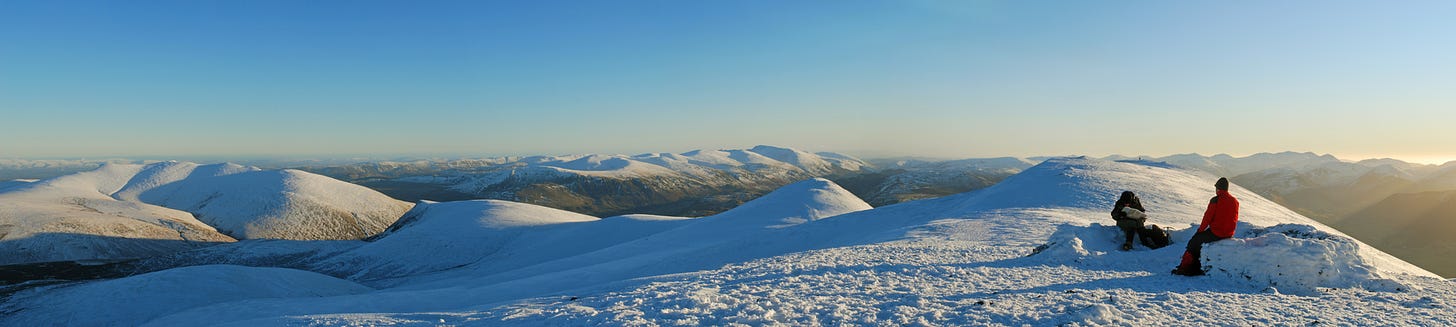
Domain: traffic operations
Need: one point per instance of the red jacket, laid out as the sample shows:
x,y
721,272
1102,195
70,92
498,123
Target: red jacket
x,y
1222,216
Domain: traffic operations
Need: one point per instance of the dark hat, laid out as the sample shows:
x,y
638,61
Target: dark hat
x,y
1221,184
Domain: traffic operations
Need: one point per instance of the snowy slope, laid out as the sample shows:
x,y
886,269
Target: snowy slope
x,y
135,300
966,259
452,234
493,236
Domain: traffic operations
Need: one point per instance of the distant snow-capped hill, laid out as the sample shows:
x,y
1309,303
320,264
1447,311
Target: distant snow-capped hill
x,y
74,217
905,180
692,183
47,168
249,203
129,211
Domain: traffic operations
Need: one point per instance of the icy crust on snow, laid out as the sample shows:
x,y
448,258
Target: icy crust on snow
x,y
1296,259
135,300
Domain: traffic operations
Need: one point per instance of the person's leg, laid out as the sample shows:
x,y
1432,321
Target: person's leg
x,y
1195,248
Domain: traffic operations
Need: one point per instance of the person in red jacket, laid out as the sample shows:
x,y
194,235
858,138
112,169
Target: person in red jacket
x,y
1219,222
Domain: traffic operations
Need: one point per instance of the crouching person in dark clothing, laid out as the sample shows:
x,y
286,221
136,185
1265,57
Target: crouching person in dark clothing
x,y
1219,222
1129,214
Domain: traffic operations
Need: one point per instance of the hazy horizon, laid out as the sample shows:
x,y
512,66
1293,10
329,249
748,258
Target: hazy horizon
x,y
866,156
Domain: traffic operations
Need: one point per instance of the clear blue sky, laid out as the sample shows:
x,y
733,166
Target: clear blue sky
x,y
934,78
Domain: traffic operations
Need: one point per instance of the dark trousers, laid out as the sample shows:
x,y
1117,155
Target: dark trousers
x,y
1195,246
1130,228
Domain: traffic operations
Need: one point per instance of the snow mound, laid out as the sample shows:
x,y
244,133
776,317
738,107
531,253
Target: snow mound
x,y
286,204
794,204
138,299
1062,248
1296,259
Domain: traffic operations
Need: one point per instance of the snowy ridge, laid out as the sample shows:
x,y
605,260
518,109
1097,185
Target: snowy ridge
x,y
965,259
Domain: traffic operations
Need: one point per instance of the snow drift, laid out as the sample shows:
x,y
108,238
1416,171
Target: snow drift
x,y
1296,259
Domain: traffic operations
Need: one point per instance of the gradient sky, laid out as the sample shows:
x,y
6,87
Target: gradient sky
x,y
932,78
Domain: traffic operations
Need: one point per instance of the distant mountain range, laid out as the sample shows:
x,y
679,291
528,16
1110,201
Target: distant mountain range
x,y
693,183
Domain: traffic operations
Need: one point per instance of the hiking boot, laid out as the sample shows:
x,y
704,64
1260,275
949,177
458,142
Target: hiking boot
x,y
1188,271
1127,246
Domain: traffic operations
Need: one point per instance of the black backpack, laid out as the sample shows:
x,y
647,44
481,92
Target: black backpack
x,y
1154,237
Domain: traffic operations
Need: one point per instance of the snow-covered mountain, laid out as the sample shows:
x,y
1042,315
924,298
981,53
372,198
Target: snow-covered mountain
x,y
1036,249
905,180
129,211
249,203
74,217
693,183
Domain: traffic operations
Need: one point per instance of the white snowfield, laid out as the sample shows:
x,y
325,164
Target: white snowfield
x,y
1036,249
130,211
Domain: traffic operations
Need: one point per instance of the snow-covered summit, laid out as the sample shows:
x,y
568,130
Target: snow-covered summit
x,y
1174,198
128,210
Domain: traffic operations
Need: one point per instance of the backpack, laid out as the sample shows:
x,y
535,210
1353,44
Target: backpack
x,y
1154,237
